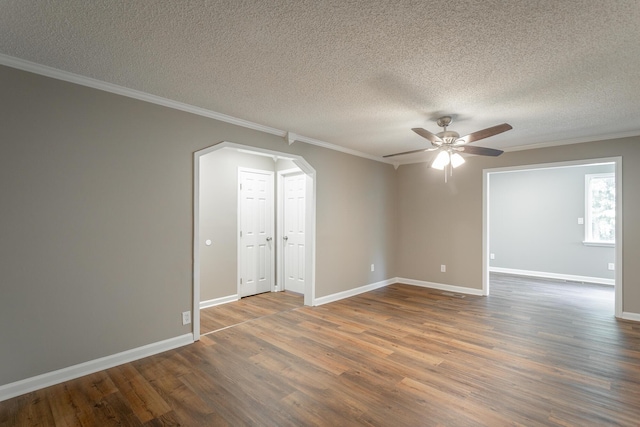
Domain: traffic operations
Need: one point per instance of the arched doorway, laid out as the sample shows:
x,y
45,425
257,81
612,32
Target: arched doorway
x,y
199,241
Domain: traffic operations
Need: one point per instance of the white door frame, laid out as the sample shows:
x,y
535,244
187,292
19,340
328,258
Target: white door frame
x,y
617,161
279,286
310,219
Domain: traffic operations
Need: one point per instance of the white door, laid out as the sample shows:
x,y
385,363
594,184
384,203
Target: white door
x,y
256,231
294,232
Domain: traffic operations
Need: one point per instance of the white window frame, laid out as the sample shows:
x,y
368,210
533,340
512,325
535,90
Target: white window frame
x,y
589,240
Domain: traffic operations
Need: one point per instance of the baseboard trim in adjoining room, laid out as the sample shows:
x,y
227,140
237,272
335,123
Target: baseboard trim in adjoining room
x,y
631,316
362,289
558,276
218,301
353,292
440,286
48,379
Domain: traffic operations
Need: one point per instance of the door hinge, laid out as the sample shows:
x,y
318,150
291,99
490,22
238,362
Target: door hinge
x,y
241,280
240,233
241,186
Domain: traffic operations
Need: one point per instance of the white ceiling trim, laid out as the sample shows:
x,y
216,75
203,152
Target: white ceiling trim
x,y
570,141
330,146
32,67
290,137
55,73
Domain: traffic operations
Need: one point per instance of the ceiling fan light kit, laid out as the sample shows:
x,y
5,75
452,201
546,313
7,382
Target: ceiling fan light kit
x,y
450,144
447,161
442,159
456,160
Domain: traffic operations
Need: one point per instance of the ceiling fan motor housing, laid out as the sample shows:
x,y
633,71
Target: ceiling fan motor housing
x,y
445,121
448,136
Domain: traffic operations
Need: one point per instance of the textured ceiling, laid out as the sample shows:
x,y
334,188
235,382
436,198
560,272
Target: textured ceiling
x,y
358,73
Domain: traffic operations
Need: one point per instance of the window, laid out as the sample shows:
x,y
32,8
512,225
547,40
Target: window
x,y
601,208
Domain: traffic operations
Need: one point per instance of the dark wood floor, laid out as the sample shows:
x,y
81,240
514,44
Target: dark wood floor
x,y
250,308
534,353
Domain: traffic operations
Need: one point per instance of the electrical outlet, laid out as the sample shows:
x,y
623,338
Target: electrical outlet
x,y
580,221
611,266
443,268
186,317
492,256
373,267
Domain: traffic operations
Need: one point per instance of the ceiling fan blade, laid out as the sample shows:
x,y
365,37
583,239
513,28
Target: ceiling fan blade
x,y
480,151
410,152
484,133
435,139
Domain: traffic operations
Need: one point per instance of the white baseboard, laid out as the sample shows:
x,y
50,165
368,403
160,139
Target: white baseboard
x,y
218,301
441,286
362,289
352,292
559,276
27,385
631,316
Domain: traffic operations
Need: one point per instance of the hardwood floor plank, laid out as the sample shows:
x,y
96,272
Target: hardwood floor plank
x,y
82,401
114,410
299,374
329,336
311,412
189,407
467,412
225,315
227,408
534,353
168,419
16,411
170,363
144,401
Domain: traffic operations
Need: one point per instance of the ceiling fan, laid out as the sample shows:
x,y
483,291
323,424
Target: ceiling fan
x,y
451,144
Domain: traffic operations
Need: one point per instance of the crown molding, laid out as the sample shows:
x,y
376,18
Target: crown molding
x,y
55,73
334,147
44,70
571,141
290,137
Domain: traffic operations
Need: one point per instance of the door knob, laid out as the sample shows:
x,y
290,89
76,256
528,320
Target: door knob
x,y
268,239
286,238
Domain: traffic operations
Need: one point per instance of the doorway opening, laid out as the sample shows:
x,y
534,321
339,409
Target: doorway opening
x,y
517,225
216,272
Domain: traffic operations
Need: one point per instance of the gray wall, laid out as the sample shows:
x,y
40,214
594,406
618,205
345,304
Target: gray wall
x,y
442,223
284,164
218,218
96,220
534,222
